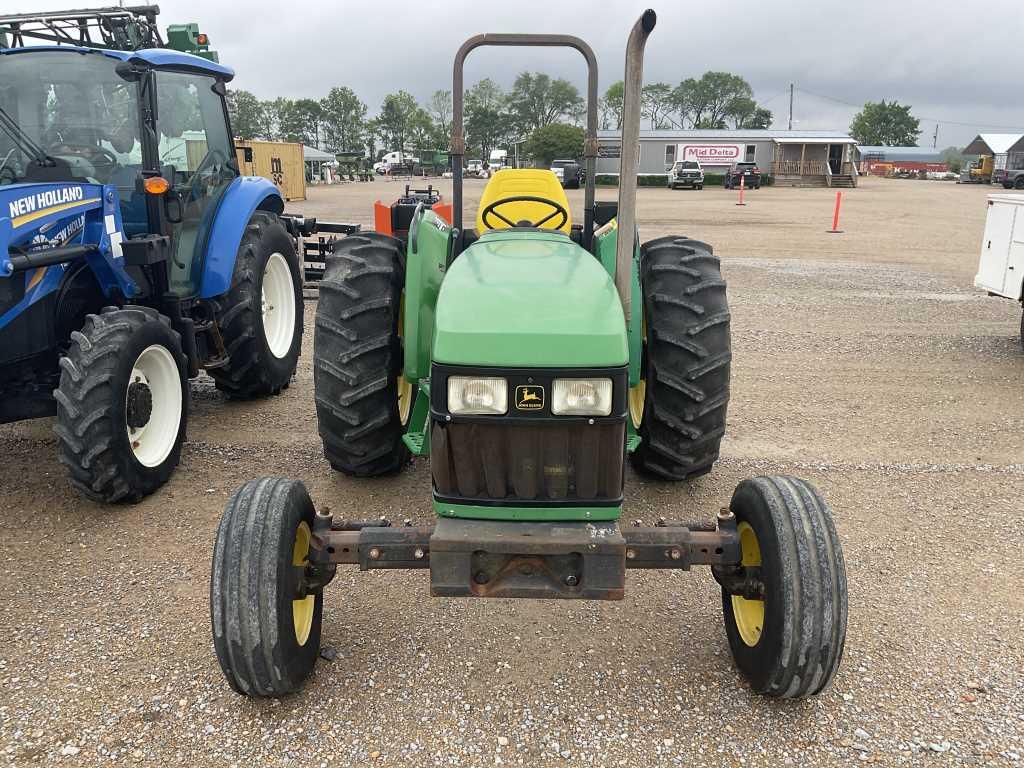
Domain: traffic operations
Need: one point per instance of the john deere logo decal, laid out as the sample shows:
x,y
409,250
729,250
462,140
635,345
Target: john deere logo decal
x,y
529,397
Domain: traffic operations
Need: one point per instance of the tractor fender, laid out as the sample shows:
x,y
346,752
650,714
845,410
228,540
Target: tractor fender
x,y
244,196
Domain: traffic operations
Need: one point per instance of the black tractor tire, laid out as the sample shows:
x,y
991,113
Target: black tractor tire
x,y
93,419
252,586
253,369
797,651
686,361
358,358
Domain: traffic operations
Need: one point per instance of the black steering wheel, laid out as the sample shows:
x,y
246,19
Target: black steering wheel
x,y
557,210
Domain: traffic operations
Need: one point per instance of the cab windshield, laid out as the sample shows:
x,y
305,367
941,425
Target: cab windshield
x,y
67,116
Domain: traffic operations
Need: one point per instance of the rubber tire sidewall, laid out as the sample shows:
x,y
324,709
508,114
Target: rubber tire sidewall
x,y
252,520
149,335
759,662
281,369
141,480
268,374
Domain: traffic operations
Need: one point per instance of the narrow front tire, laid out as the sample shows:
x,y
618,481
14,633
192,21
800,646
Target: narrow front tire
x,y
267,640
789,644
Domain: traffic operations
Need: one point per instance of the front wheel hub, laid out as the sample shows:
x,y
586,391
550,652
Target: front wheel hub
x,y
139,404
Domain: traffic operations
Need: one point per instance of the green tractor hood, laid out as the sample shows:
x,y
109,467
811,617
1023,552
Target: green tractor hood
x,y
529,299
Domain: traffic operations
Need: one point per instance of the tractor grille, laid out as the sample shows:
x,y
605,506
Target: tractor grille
x,y
538,462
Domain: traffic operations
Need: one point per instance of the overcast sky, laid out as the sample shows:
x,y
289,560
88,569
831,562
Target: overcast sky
x,y
956,61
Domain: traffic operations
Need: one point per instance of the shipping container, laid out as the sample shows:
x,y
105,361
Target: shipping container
x,y
279,161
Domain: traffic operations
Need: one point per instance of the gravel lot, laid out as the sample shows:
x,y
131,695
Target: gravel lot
x,y
863,361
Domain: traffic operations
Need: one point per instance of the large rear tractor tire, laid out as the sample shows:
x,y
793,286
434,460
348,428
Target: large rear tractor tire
x,y
122,404
266,636
679,407
789,644
363,402
260,317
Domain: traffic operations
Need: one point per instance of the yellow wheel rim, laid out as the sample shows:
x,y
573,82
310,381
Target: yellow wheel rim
x,y
638,394
749,614
302,610
404,386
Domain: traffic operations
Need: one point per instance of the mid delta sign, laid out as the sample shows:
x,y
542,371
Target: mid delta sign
x,y
711,154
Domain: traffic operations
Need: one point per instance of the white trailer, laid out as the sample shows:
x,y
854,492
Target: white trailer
x,y
1001,266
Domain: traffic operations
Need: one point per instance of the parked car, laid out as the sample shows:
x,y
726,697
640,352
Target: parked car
x,y
1010,179
475,170
568,172
686,173
749,172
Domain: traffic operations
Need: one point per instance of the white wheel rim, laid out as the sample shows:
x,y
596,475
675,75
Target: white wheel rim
x,y
278,306
153,441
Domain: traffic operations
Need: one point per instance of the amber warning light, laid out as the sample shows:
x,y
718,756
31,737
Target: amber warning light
x,y
156,185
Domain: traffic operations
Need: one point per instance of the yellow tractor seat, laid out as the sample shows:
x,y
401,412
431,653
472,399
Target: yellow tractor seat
x,y
516,182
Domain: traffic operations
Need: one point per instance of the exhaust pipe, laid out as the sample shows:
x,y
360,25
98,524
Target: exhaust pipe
x,y
633,81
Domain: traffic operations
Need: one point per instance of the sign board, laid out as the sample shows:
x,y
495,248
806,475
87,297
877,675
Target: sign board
x,y
609,150
711,154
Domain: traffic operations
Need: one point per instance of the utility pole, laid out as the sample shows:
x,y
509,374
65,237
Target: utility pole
x,y
791,106
935,137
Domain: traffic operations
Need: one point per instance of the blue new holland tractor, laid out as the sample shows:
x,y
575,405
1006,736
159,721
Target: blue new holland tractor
x,y
132,254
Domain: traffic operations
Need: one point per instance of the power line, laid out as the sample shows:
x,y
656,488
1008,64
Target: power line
x,y
1014,128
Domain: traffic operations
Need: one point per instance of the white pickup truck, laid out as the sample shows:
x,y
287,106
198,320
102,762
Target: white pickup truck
x,y
1001,266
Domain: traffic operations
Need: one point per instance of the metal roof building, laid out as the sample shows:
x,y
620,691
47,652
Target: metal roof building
x,y
1007,150
995,144
897,154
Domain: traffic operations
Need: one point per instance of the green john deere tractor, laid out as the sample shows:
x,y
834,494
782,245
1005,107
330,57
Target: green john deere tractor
x,y
528,356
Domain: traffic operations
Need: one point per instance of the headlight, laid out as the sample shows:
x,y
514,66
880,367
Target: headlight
x,y
581,397
474,395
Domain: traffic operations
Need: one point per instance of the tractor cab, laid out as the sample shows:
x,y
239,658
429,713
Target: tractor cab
x,y
87,117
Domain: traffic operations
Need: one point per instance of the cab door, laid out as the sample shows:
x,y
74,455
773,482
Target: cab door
x,y
995,247
197,159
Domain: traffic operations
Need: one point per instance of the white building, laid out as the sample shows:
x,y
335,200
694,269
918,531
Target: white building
x,y
790,157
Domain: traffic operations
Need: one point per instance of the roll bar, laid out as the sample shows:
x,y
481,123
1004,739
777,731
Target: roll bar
x,y
633,83
458,147
631,104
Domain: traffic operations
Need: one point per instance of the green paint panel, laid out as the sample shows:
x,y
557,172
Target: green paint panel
x,y
604,248
424,272
529,299
527,514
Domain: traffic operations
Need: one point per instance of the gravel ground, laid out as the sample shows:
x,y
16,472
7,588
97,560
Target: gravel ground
x,y
863,361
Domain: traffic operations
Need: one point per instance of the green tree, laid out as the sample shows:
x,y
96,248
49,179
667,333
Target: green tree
x,y
555,141
656,104
705,102
745,113
245,112
487,121
536,100
953,157
611,106
297,121
397,115
440,111
344,118
887,124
